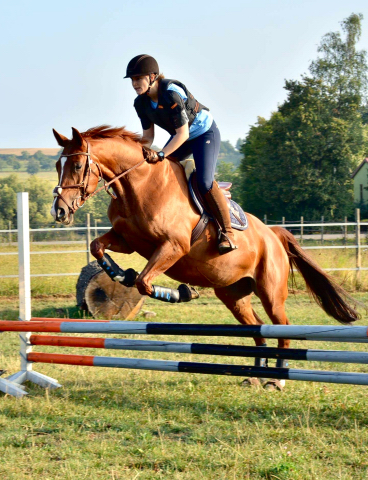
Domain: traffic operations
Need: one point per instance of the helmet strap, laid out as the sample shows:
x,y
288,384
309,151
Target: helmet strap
x,y
151,83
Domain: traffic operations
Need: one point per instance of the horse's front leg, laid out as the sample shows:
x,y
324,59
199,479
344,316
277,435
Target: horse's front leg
x,y
164,257
116,243
110,240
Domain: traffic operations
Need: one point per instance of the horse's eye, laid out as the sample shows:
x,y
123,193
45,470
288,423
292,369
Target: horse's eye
x,y
78,166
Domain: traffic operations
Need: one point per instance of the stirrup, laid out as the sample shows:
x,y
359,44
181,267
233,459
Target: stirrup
x,y
223,247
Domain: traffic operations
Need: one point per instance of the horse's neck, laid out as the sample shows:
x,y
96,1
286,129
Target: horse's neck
x,y
142,188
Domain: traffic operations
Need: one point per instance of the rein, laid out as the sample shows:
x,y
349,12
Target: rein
x,y
83,186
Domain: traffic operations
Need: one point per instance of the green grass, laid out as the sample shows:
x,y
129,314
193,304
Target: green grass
x,y
125,424
74,262
23,176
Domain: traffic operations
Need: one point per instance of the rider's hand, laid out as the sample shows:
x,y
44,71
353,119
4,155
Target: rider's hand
x,y
150,155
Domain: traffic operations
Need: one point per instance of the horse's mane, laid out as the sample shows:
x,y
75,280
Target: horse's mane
x,y
106,131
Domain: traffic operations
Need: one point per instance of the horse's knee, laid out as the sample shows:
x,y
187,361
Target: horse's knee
x,y
97,248
144,288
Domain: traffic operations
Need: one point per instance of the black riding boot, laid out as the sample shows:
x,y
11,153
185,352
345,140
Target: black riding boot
x,y
217,204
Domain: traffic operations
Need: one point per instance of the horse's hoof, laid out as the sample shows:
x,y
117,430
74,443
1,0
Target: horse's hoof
x,y
273,384
251,382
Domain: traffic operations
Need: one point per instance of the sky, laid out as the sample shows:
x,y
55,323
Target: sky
x,y
63,63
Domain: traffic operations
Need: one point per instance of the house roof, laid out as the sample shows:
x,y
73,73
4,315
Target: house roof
x,y
359,167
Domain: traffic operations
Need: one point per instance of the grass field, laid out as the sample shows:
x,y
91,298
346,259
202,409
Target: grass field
x,y
73,262
129,424
52,177
122,424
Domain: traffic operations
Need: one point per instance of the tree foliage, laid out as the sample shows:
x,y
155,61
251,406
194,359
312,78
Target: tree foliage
x,y
40,199
28,162
33,166
299,161
228,172
228,153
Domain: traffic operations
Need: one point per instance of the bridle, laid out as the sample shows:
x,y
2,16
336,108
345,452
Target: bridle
x,y
83,186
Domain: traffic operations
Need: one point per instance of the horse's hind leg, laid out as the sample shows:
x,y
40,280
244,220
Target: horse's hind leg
x,y
273,300
272,290
237,298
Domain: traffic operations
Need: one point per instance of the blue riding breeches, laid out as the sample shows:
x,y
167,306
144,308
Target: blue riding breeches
x,y
205,150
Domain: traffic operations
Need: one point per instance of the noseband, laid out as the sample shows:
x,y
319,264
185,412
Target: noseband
x,y
83,186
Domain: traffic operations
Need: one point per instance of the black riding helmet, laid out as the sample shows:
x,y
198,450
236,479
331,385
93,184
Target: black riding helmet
x,y
142,65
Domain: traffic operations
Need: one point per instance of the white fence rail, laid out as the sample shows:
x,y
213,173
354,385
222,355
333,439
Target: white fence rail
x,y
302,226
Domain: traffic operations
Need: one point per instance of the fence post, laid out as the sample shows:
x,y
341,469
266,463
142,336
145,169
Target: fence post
x,y
358,249
10,233
13,384
88,237
322,220
345,231
301,229
283,220
265,219
96,231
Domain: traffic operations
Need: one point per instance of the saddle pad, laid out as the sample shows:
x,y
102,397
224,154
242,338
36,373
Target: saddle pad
x,y
238,218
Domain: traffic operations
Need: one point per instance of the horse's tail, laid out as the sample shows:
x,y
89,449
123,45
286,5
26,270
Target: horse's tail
x,y
330,296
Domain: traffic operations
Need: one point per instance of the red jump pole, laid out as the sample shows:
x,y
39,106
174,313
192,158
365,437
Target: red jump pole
x,y
16,326
67,341
45,319
86,360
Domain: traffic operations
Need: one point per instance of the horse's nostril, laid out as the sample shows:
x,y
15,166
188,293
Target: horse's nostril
x,y
60,213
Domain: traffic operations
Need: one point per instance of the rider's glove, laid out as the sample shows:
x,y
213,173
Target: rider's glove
x,y
150,155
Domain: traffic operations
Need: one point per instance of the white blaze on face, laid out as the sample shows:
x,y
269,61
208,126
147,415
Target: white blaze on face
x,y
63,161
53,210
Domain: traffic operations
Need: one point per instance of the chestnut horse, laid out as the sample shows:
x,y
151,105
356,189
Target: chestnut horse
x,y
154,215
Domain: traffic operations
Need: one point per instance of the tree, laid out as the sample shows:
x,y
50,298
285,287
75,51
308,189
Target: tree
x,y
9,186
299,161
25,155
40,200
16,164
239,144
226,148
341,66
228,153
33,166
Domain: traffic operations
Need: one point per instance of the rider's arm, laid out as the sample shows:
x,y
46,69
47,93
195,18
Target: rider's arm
x,y
181,136
148,136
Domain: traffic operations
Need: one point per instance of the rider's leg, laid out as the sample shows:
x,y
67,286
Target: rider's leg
x,y
218,206
206,148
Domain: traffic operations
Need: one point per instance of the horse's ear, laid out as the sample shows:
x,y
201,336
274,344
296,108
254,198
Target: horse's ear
x,y
61,140
77,137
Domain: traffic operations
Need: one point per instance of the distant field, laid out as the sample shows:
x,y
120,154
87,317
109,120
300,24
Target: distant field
x,y
31,151
23,176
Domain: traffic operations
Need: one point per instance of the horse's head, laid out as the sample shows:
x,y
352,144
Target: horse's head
x,y
78,176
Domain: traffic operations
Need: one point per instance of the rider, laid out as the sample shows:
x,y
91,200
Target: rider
x,y
169,104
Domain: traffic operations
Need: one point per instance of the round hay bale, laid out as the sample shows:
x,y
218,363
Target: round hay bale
x,y
103,298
